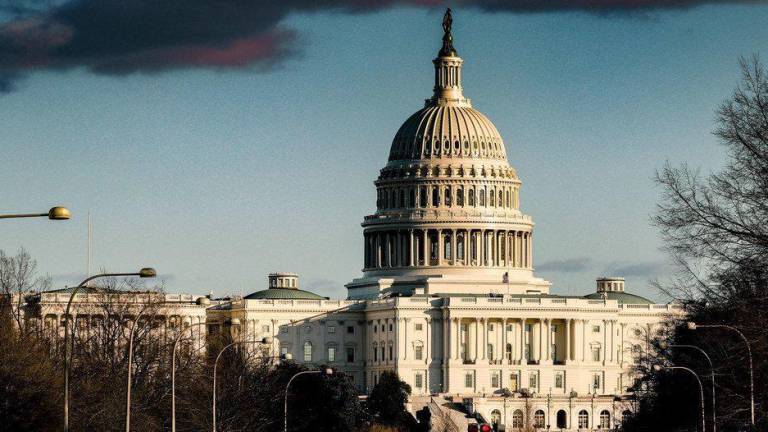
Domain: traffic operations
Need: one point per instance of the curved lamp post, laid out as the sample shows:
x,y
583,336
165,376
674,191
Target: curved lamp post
x,y
659,368
146,272
326,371
693,326
263,341
55,213
712,372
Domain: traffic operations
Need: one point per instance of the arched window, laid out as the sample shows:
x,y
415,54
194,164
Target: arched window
x,y
423,197
509,199
605,419
435,197
490,351
447,247
509,352
418,350
447,197
562,420
482,198
460,197
473,247
583,419
412,197
517,419
538,419
307,351
501,198
433,243
471,197
495,418
492,198
403,198
460,246
375,351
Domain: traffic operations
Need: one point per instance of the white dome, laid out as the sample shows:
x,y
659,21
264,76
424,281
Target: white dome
x,y
442,131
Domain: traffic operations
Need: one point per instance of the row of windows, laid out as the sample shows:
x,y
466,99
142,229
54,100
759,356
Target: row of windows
x,y
435,196
561,419
308,353
436,147
492,172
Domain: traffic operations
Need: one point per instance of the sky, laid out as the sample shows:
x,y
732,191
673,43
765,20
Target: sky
x,y
218,152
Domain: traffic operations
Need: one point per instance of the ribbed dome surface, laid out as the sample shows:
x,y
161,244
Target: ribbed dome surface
x,y
447,131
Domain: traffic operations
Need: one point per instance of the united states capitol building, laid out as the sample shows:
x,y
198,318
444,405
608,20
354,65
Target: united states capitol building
x,y
448,297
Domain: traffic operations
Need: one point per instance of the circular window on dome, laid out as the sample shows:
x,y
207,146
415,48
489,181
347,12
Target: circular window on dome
x,y
456,145
446,146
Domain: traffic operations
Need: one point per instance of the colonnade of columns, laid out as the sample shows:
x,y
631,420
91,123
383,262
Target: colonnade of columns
x,y
448,247
529,341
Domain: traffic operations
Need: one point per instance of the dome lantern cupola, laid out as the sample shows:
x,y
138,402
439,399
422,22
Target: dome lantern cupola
x,y
447,71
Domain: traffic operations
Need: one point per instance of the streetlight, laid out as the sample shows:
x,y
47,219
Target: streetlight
x,y
693,326
146,272
326,371
665,345
55,213
264,341
659,368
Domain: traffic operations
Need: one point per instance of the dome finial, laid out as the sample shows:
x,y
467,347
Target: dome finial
x,y
447,50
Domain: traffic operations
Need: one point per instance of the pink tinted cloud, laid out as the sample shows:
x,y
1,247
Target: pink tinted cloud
x,y
264,49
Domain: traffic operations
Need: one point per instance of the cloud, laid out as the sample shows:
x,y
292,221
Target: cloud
x,y
117,37
569,265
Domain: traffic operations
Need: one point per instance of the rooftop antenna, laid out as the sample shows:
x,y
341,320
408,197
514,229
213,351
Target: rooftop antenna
x,y
90,234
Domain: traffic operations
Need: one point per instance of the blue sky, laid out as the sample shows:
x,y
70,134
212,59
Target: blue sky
x,y
218,177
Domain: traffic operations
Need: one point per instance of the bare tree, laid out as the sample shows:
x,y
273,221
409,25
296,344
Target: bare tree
x,y
18,277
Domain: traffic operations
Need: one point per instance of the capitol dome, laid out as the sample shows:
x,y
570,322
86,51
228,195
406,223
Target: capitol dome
x,y
448,201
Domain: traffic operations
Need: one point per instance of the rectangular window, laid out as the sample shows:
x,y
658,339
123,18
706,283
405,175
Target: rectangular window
x,y
331,354
496,379
391,352
559,380
418,380
509,327
375,354
283,351
418,352
528,351
513,386
350,329
596,381
596,329
417,327
307,352
331,329
265,329
596,354
490,327
469,380
391,327
350,354
382,354
533,380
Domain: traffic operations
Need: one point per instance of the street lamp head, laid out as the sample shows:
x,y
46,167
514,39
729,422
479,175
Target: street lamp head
x,y
663,345
328,371
58,213
691,325
266,340
147,272
658,368
287,356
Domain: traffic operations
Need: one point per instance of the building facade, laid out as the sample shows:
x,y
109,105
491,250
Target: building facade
x,y
448,297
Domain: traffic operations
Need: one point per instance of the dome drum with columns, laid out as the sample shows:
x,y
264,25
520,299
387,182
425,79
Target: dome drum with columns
x,y
448,202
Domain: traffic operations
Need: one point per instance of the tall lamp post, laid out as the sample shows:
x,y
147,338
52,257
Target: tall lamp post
x,y
264,341
712,372
326,371
659,368
146,272
55,213
693,326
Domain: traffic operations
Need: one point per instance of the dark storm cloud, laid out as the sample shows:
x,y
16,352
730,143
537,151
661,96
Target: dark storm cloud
x,y
127,36
570,265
